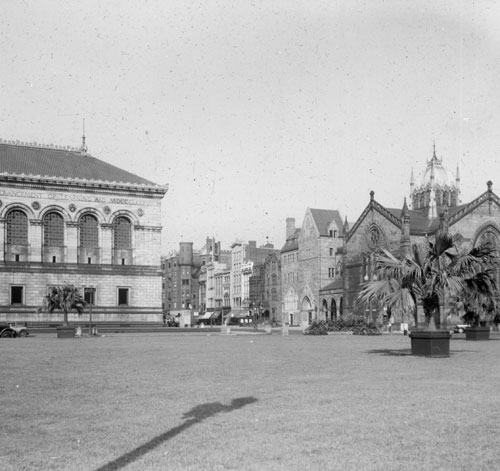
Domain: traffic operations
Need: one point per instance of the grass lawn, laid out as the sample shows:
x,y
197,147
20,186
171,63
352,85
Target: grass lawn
x,y
247,402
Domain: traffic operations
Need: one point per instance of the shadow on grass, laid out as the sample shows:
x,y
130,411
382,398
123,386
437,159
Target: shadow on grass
x,y
195,415
407,352
390,352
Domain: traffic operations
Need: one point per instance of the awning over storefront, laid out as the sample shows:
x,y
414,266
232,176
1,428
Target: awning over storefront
x,y
207,315
216,315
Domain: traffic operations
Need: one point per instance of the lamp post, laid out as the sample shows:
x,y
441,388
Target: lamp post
x,y
92,292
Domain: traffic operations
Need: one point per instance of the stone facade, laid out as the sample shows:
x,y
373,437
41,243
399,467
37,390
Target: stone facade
x,y
244,256
396,230
310,260
60,225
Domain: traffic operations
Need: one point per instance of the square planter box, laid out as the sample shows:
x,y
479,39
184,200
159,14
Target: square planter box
x,y
65,332
477,333
431,343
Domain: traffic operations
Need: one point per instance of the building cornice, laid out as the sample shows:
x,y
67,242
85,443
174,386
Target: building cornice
x,y
81,184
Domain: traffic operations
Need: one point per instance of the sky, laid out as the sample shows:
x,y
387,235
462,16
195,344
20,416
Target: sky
x,y
253,111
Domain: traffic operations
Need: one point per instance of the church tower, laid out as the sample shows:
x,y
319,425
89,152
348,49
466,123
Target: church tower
x,y
437,191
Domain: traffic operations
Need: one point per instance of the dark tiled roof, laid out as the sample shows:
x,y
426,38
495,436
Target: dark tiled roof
x,y
323,218
337,284
292,242
419,223
61,163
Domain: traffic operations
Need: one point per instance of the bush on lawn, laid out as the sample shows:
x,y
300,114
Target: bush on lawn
x,y
317,328
349,324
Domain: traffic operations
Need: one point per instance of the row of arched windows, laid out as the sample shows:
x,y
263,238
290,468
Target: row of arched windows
x,y
53,230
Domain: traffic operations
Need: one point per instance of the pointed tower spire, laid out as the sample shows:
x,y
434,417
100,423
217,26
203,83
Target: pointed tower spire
x,y
345,229
83,148
405,243
412,188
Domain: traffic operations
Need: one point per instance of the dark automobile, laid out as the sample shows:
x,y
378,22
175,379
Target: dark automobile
x,y
7,331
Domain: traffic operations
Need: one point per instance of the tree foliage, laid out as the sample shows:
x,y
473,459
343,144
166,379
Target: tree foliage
x,y
65,298
434,270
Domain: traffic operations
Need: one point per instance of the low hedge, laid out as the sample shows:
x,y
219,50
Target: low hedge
x,y
354,325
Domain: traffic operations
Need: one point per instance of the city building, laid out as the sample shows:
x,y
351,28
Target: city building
x,y
434,206
188,281
67,217
244,257
311,259
265,289
181,286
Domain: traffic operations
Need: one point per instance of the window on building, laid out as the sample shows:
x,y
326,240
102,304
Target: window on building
x,y
331,251
122,233
53,230
123,296
17,228
89,296
331,233
17,295
89,235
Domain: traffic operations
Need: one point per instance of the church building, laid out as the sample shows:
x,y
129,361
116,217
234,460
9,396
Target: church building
x,y
434,206
67,217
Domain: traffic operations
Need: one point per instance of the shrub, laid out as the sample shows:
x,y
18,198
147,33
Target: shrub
x,y
317,328
348,324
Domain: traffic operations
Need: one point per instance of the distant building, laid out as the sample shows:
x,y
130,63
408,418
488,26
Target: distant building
x,y
188,280
68,217
265,288
246,256
311,259
181,279
435,207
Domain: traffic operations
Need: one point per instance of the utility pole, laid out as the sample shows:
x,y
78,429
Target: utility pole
x,y
92,291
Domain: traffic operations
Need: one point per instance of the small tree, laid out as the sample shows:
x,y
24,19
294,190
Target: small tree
x,y
64,298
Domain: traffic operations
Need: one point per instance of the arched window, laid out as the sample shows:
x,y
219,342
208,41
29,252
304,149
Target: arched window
x,y
17,228
53,230
122,233
89,234
489,236
333,309
274,279
274,295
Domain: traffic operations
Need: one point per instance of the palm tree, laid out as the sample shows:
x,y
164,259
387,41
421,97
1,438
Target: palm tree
x,y
434,270
64,298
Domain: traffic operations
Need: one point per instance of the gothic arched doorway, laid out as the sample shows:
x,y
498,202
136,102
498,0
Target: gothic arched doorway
x,y
307,310
333,309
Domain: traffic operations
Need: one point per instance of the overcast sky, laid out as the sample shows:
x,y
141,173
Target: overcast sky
x,y
253,111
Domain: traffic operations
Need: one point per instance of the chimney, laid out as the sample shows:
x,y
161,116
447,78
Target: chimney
x,y
290,227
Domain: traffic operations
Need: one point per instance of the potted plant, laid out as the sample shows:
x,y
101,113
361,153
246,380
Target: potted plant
x,y
434,270
479,313
64,298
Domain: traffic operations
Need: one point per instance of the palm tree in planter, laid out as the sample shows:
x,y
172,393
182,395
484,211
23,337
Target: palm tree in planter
x,y
435,270
480,300
64,298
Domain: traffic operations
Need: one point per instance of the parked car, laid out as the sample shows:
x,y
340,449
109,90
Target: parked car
x,y
460,328
21,329
7,331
